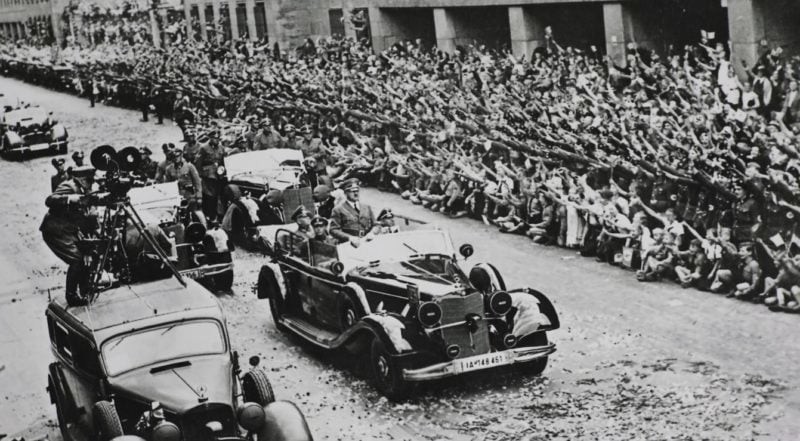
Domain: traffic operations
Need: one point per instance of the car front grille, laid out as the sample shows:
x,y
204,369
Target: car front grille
x,y
193,422
456,309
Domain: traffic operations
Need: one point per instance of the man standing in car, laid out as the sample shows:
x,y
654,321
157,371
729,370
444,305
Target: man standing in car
x,y
67,219
209,158
351,219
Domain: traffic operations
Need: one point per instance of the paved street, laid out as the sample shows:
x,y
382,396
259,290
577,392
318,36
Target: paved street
x,y
634,361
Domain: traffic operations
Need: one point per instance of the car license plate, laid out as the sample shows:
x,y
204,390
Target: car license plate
x,y
192,274
478,362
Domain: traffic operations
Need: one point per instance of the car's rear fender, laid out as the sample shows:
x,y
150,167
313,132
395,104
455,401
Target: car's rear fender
x,y
545,307
58,133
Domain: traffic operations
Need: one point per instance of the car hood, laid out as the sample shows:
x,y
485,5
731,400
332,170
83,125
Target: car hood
x,y
178,389
432,288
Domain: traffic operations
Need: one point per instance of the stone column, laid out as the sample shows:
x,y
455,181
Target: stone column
x,y
162,14
445,27
746,26
250,8
527,32
201,14
154,28
187,13
614,23
215,7
234,23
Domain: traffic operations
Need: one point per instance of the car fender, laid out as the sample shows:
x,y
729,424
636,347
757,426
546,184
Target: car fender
x,y
284,422
390,330
533,312
12,140
358,296
279,279
58,132
61,391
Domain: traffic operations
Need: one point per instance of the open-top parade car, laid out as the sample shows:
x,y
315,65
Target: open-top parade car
x,y
403,300
257,172
202,254
250,177
24,131
155,360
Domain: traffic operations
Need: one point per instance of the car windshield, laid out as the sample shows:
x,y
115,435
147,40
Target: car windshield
x,y
396,247
262,162
32,114
126,352
439,269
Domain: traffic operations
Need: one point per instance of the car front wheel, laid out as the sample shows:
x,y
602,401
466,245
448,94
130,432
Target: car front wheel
x,y
256,388
106,421
387,374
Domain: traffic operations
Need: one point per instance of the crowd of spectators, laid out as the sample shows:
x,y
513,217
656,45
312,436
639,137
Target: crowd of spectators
x,y
681,166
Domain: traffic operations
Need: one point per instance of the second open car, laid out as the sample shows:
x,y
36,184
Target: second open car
x,y
403,300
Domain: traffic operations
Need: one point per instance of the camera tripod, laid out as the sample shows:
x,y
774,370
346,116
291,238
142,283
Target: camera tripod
x,y
108,252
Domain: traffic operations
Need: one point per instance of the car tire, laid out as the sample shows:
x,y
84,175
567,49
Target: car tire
x,y
60,417
224,281
387,374
106,421
535,367
256,388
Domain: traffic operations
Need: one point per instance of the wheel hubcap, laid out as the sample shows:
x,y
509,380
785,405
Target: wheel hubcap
x,y
349,317
383,367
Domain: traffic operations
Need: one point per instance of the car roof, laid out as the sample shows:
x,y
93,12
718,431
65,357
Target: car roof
x,y
130,306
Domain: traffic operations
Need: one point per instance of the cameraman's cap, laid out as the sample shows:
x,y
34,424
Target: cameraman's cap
x,y
57,161
351,184
77,154
319,221
301,211
386,213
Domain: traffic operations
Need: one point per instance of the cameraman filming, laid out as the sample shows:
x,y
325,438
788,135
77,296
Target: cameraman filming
x,y
68,219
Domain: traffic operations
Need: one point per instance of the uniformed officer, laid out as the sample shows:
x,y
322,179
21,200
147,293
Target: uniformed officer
x,y
161,169
291,140
209,158
61,173
302,217
386,223
320,226
351,219
310,145
77,158
267,138
186,175
67,219
147,167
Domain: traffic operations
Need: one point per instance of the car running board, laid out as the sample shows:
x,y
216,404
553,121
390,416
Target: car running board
x,y
314,333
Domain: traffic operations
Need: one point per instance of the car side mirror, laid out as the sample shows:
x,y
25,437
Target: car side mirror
x,y
336,267
466,250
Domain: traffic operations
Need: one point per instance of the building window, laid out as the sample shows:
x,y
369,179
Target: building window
x,y
260,13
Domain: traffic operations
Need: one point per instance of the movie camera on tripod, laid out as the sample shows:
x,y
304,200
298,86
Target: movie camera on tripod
x,y
110,263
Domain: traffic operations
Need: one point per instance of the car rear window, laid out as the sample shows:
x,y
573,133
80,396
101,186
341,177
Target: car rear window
x,y
126,352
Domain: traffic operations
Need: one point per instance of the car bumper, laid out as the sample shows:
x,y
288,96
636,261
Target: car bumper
x,y
207,270
478,362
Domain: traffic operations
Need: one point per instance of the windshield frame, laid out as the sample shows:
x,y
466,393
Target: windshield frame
x,y
345,251
163,326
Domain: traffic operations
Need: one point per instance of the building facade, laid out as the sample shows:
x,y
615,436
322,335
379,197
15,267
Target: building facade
x,y
609,25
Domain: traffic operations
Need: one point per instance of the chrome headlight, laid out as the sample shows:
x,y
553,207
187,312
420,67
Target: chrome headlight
x,y
499,303
429,314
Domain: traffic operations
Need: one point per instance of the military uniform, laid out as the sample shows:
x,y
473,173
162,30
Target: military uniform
x,y
350,219
188,179
209,158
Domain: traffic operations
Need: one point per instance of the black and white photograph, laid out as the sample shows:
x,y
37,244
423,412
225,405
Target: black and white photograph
x,y
399,220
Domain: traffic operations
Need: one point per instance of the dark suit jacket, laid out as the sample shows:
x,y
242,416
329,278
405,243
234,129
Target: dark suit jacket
x,y
346,221
792,108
